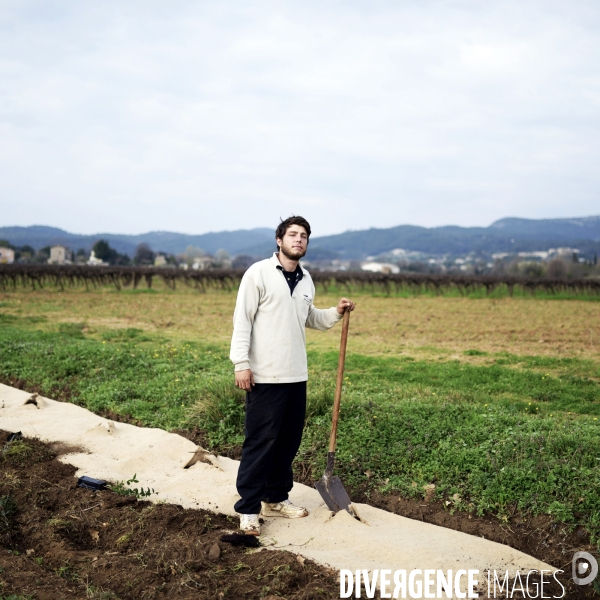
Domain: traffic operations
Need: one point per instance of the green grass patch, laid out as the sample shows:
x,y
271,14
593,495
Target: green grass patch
x,y
475,353
513,433
124,335
382,379
74,330
136,292
155,383
494,458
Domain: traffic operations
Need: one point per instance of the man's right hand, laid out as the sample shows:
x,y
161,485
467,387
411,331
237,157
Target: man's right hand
x,y
244,380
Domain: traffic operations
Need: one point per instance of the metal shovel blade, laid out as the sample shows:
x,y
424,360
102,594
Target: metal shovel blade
x,y
333,492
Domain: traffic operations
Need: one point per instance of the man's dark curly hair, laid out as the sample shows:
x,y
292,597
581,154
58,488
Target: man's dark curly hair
x,y
285,225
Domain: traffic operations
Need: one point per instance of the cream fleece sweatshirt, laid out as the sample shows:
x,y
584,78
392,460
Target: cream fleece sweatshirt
x,y
268,324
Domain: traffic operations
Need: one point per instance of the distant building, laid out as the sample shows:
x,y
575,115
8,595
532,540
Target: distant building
x,y
541,255
7,255
202,262
562,252
160,260
60,255
377,267
94,261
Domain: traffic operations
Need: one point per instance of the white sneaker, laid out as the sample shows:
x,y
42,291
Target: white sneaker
x,y
282,509
249,524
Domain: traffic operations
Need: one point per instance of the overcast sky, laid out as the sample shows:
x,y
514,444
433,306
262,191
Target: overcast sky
x,y
146,115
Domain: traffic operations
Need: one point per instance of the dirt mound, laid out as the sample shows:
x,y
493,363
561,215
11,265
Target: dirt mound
x,y
61,541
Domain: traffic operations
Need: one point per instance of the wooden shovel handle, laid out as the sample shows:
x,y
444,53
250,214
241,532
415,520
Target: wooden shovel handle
x,y
340,381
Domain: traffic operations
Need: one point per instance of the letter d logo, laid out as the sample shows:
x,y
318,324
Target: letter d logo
x,y
580,567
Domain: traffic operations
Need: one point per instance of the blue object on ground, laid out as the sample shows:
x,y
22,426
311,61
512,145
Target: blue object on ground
x,y
90,483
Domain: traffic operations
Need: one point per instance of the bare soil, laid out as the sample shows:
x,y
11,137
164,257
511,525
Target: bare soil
x,y
60,541
47,490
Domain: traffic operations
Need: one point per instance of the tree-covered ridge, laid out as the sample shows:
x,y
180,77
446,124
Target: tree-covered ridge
x,y
505,235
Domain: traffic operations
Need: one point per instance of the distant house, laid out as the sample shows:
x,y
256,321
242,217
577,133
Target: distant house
x,y
202,262
160,260
376,267
95,261
7,255
60,255
541,255
562,252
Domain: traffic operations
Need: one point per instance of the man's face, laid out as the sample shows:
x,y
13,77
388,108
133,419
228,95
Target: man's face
x,y
294,242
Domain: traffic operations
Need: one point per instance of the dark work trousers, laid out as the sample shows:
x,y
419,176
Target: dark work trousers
x,y
273,427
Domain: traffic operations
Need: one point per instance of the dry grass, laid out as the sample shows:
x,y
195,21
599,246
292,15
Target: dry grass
x,y
519,326
420,326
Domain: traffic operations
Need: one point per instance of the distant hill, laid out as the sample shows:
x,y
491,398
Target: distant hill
x,y
587,228
39,236
506,235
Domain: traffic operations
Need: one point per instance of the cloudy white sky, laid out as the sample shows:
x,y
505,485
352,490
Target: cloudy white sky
x,y
203,116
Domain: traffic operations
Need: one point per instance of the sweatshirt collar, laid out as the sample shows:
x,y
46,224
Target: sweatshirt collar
x,y
275,261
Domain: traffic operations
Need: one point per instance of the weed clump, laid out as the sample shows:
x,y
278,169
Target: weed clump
x,y
17,452
61,525
220,411
21,452
319,400
73,330
8,511
124,335
123,488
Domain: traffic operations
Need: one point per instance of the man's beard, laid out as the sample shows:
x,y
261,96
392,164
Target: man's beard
x,y
292,254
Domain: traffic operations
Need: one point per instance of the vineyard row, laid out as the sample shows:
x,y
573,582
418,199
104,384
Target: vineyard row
x,y
71,276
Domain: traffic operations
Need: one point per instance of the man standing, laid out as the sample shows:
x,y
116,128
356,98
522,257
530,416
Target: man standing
x,y
268,349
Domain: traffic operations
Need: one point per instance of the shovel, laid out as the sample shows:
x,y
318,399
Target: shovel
x,y
330,486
